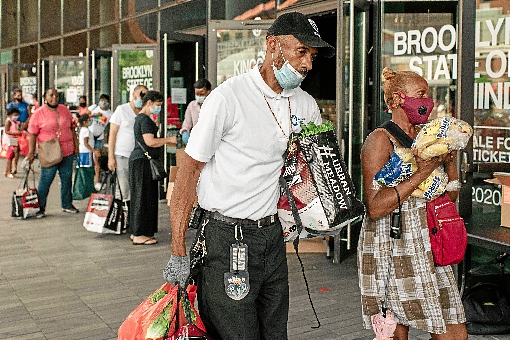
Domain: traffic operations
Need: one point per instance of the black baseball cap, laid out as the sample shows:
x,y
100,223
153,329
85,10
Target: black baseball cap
x,y
303,29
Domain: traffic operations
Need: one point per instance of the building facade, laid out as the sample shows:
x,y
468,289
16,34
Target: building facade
x,y
461,47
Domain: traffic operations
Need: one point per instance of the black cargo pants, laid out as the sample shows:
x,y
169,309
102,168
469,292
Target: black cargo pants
x,y
263,313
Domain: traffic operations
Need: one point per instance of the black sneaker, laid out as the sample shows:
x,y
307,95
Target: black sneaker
x,y
40,214
71,210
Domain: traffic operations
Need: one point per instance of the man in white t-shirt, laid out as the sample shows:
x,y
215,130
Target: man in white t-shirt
x,y
236,150
100,115
121,140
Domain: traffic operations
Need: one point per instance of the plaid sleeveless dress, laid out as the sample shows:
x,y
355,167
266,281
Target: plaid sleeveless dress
x,y
421,295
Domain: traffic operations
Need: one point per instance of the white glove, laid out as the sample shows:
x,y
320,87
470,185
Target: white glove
x,y
177,271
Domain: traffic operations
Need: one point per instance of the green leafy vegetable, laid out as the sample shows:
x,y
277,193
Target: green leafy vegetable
x,y
158,295
312,129
158,328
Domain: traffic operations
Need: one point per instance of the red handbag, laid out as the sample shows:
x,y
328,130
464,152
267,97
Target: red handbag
x,y
448,236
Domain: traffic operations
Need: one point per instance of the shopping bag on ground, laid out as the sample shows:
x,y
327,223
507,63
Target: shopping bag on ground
x,y
316,179
83,184
25,200
99,206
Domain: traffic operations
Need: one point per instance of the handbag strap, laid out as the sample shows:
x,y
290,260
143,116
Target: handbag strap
x,y
398,133
58,123
25,179
145,152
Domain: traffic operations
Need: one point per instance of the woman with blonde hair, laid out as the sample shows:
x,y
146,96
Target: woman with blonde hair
x,y
401,272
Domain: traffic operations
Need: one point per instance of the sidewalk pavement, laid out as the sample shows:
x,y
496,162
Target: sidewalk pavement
x,y
59,281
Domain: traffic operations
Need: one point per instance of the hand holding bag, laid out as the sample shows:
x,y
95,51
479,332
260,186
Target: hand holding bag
x,y
157,169
448,236
49,152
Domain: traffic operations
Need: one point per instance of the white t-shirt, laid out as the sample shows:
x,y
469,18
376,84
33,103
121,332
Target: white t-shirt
x,y
85,132
242,145
124,117
98,123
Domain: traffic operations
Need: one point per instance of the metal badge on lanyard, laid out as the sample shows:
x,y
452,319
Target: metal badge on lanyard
x,y
237,281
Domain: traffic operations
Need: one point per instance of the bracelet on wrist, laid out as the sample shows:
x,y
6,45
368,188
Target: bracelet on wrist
x,y
412,184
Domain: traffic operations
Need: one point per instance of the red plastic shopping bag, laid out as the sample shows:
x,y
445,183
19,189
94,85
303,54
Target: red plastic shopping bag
x,y
140,320
190,325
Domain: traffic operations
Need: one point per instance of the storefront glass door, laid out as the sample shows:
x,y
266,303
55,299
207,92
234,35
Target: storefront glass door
x,y
132,65
22,76
98,75
67,76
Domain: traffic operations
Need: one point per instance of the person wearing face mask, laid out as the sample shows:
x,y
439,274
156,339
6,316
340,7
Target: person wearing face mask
x,y
100,115
25,112
143,214
82,106
10,138
422,295
202,89
236,150
121,141
49,121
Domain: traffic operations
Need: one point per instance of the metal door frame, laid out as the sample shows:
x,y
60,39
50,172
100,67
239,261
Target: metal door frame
x,y
161,77
90,74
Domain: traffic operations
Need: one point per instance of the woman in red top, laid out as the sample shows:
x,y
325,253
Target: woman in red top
x,y
43,126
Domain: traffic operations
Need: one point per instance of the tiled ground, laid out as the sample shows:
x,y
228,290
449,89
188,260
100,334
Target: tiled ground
x,y
58,281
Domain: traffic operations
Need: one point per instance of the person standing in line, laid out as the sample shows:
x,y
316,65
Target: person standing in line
x,y
25,112
10,138
35,102
402,271
202,89
82,106
121,142
87,152
237,152
100,116
43,126
143,215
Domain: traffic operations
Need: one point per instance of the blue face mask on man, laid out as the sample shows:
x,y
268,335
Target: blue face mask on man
x,y
287,76
138,103
156,109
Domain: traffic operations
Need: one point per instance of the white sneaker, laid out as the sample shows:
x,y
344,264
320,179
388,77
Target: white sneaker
x,y
97,186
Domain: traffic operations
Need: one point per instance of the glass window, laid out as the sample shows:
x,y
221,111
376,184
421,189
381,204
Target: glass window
x,y
9,24
130,8
28,54
69,79
491,139
242,10
29,21
25,78
75,44
186,15
103,37
134,68
50,18
50,48
102,11
75,15
140,30
423,39
238,51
